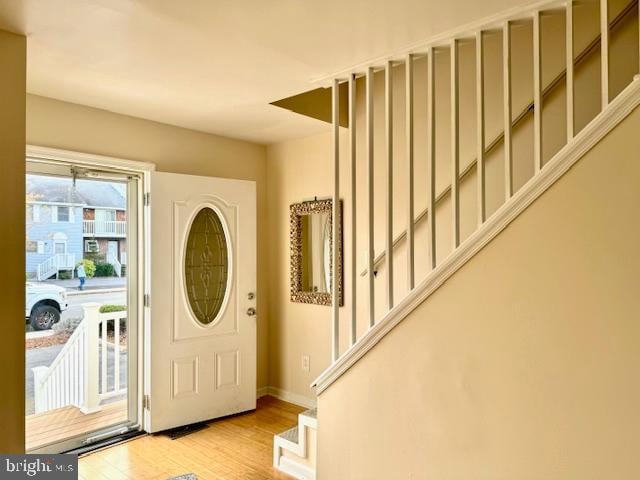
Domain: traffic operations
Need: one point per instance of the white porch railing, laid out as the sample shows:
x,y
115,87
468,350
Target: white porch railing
x,y
54,264
104,227
79,375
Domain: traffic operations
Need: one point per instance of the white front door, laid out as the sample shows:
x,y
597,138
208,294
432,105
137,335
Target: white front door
x,y
202,351
112,250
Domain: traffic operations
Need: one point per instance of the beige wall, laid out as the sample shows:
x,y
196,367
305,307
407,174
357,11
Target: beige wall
x,y
302,169
298,170
53,123
13,57
531,375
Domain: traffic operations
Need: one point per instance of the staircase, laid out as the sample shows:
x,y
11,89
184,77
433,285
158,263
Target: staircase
x,y
55,264
294,451
509,104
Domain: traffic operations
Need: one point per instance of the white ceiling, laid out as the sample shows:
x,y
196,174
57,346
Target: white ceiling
x,y
215,65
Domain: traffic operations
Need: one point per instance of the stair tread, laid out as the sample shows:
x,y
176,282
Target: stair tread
x,y
290,435
312,413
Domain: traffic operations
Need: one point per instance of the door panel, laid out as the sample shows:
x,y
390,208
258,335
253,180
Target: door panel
x,y
202,361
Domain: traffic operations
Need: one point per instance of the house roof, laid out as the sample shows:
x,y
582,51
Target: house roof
x,y
92,193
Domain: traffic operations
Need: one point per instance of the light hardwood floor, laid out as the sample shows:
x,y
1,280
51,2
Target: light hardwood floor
x,y
239,448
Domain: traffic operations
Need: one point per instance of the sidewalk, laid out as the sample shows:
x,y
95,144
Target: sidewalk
x,y
112,284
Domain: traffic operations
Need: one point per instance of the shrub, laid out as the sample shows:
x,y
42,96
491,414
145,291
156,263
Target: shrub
x,y
112,308
64,275
105,270
89,267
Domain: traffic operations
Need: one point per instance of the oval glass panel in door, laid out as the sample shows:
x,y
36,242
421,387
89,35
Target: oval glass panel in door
x,y
206,266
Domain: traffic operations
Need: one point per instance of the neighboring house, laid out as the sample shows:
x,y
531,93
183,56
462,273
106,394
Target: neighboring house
x,y
66,223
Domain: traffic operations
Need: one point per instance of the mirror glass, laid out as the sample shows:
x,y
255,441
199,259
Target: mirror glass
x,y
316,252
312,252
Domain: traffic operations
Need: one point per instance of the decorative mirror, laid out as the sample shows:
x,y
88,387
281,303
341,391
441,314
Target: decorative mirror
x,y
311,252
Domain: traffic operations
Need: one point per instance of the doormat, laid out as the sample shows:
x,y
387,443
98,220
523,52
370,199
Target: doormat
x,y
183,431
186,476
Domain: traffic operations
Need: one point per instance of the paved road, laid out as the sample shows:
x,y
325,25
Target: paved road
x,y
76,301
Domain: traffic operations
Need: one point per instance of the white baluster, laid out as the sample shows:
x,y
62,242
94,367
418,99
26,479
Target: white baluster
x,y
103,355
335,305
116,354
569,60
604,52
409,146
482,209
388,88
354,226
537,94
370,252
455,144
506,74
431,158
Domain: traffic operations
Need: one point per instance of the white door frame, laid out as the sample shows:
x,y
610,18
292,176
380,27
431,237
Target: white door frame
x,y
54,156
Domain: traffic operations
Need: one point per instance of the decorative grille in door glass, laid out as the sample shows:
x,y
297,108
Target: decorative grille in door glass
x,y
206,266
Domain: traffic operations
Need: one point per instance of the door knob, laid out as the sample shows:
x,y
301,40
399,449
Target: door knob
x,y
251,311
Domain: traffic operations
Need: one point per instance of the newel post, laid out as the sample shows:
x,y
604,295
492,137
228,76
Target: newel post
x,y
40,404
91,380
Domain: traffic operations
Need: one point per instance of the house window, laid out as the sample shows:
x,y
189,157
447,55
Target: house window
x,y
60,247
32,246
63,214
91,246
33,213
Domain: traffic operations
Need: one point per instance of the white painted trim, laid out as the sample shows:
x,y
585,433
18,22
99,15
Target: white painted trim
x,y
295,469
595,131
53,156
299,449
287,396
35,152
490,22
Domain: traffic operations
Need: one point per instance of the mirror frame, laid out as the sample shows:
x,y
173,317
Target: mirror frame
x,y
296,212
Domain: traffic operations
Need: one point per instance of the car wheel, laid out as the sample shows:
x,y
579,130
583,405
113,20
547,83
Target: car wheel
x,y
43,317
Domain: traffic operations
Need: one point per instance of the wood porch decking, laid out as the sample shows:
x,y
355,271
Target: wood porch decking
x,y
48,427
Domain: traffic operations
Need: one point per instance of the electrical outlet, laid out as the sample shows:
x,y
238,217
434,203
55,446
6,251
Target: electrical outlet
x,y
306,363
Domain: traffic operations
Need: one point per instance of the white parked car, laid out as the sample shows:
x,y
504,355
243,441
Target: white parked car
x,y
45,303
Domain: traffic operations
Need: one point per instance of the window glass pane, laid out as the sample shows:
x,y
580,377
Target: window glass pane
x,y
206,266
63,214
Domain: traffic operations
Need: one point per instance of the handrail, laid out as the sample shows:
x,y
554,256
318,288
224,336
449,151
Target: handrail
x,y
524,113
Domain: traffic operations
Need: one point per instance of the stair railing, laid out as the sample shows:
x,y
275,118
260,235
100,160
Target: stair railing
x,y
406,58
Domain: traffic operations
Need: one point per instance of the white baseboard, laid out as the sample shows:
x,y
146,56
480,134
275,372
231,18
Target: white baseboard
x,y
286,396
295,469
